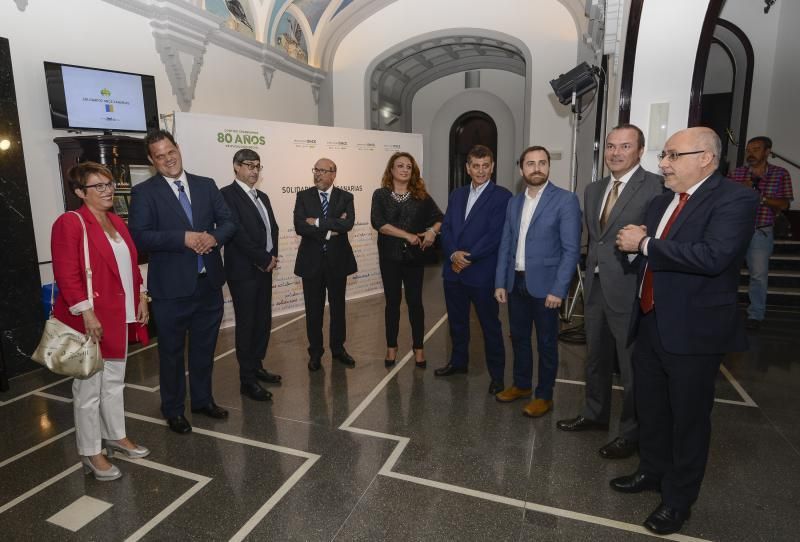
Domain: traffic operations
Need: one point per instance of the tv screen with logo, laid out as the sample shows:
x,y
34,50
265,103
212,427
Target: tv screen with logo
x,y
84,98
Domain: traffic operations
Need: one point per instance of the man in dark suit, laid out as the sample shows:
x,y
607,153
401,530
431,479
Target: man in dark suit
x,y
250,257
181,220
610,287
692,245
536,261
471,233
323,215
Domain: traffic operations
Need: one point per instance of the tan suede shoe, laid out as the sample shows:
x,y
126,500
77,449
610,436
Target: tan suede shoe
x,y
512,394
537,407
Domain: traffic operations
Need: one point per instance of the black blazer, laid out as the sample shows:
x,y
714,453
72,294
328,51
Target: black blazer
x,y
158,226
246,253
696,268
341,260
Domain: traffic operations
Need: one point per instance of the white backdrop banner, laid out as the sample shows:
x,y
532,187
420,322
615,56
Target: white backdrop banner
x,y
288,152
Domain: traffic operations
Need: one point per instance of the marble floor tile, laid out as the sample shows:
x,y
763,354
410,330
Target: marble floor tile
x,y
370,453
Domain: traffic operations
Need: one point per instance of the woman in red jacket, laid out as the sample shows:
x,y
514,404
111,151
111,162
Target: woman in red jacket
x,y
117,311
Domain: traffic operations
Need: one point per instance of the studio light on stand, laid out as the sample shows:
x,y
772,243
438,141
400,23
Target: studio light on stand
x,y
569,88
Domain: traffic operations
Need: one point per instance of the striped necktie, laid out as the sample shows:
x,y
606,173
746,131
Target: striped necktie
x,y
324,204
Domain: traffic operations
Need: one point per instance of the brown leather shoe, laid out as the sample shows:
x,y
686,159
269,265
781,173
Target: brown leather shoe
x,y
512,394
537,407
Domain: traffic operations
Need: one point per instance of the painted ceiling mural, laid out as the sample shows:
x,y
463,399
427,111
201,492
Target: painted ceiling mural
x,y
291,25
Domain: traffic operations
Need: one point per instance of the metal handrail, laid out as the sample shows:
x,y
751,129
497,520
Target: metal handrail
x,y
776,155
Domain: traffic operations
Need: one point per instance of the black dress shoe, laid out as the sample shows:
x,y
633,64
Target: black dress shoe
x,y
179,424
753,324
496,387
345,358
666,519
580,424
619,448
255,392
212,411
636,483
268,377
389,362
314,364
421,364
448,370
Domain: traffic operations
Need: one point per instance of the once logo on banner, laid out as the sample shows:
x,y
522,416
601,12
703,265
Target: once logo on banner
x,y
241,138
305,143
337,145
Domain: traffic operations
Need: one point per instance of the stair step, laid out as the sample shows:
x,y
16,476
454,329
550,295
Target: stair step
x,y
784,248
776,291
778,273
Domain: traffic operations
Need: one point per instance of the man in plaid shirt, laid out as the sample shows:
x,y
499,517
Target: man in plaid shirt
x,y
775,186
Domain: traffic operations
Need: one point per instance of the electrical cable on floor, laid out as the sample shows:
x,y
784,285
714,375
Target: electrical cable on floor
x,y
573,335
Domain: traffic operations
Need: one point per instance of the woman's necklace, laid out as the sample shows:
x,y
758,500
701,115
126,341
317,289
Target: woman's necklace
x,y
400,198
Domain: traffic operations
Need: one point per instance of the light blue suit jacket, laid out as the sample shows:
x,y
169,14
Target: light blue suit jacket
x,y
552,244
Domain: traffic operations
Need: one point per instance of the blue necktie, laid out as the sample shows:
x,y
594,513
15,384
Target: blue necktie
x,y
325,214
187,208
264,218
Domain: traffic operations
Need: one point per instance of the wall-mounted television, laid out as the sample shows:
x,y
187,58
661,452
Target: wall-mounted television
x,y
83,98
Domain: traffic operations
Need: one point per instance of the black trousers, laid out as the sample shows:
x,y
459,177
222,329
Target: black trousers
x,y
395,276
314,289
200,315
674,396
252,305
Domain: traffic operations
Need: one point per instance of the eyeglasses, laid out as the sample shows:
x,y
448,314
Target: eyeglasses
x,y
317,171
252,167
672,155
101,187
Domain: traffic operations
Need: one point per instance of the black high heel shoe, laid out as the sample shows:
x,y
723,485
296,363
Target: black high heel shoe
x,y
389,362
421,364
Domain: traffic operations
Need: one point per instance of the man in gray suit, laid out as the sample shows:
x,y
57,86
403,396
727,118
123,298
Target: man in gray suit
x,y
610,286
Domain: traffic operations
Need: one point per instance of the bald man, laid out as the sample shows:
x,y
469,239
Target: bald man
x,y
323,215
691,250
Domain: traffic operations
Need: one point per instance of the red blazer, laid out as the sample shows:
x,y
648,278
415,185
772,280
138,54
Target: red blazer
x,y
66,245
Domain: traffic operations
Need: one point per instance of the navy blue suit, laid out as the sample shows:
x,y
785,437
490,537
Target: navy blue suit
x,y
183,299
479,235
552,250
681,342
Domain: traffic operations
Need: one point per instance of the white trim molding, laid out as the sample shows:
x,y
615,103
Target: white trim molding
x,y
182,32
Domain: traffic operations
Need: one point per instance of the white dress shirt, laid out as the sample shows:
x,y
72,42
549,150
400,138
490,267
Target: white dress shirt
x,y
528,208
474,194
184,181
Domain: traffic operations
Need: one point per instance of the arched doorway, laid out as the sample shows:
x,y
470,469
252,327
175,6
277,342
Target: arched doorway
x,y
470,129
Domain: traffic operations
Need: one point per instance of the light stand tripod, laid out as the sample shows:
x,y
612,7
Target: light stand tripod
x,y
568,308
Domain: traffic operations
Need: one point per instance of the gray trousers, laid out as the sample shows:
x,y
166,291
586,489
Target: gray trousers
x,y
606,338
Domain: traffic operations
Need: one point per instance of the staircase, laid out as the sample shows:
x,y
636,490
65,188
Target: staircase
x,y
783,290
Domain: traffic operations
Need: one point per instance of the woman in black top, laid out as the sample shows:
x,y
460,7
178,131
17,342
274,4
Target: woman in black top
x,y
408,221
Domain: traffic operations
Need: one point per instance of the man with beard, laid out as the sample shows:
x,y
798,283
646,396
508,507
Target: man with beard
x,y
774,185
538,255
323,214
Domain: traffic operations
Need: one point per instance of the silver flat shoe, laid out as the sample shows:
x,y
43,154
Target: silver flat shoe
x,y
132,453
100,475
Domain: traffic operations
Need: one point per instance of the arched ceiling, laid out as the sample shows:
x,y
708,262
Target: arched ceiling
x,y
310,30
396,78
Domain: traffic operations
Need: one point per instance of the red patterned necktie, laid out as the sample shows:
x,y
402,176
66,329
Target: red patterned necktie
x,y
647,302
